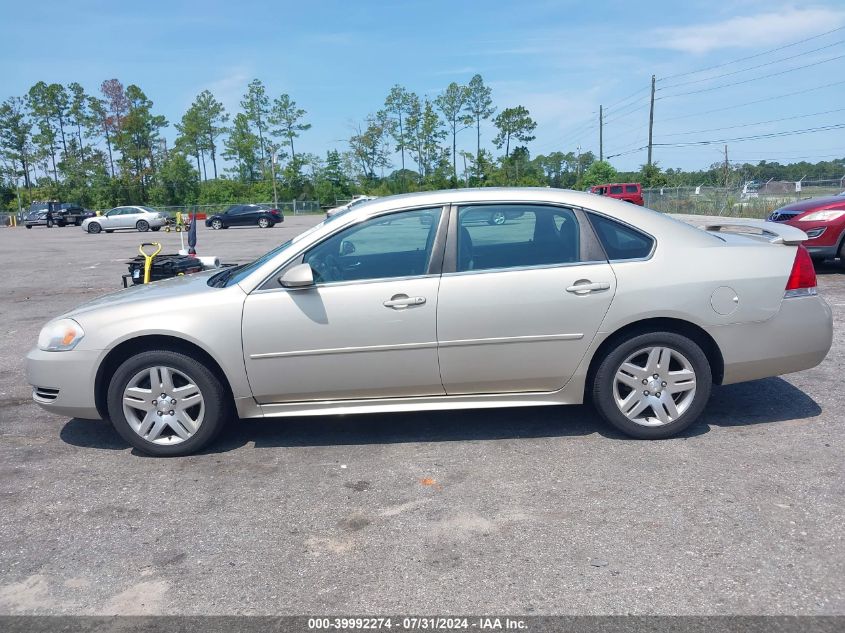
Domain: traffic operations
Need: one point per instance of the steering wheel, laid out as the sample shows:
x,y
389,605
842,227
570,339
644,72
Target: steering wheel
x,y
326,268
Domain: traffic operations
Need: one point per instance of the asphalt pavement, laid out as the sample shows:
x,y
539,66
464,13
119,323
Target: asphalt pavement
x,y
519,511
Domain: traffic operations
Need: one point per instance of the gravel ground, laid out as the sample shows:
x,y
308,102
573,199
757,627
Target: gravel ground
x,y
522,511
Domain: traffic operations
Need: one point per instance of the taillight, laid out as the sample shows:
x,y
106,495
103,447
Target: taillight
x,y
802,279
275,212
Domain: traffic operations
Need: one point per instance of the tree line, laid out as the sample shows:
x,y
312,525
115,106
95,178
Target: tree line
x,y
108,148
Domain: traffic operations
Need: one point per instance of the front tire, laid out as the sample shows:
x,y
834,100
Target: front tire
x,y
94,228
653,386
167,403
49,224
142,225
217,224
155,228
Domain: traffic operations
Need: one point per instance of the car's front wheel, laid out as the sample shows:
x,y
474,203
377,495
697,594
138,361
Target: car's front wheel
x,y
94,227
653,386
155,228
216,224
142,225
167,403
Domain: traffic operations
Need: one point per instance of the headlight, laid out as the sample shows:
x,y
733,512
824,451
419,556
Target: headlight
x,y
823,216
60,336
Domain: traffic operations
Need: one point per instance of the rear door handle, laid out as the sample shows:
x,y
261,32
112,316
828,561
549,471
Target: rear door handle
x,y
585,286
403,301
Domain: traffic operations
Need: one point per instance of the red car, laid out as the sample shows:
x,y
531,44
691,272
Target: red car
x,y
628,191
822,219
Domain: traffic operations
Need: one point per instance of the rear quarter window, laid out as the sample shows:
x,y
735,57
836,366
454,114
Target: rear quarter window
x,y
620,241
631,188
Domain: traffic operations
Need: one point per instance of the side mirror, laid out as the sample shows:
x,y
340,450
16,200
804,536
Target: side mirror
x,y
347,247
300,276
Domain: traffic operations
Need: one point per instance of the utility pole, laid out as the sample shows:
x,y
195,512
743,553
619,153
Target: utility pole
x,y
578,166
273,173
727,167
650,120
601,133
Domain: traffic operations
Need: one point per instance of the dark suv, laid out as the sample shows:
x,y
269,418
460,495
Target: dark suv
x,y
245,215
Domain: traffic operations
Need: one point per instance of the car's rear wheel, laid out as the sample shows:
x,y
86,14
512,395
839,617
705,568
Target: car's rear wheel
x,y
216,224
142,225
29,226
167,403
264,223
653,386
94,227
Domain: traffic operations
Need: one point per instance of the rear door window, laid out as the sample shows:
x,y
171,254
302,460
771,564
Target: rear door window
x,y
510,236
616,189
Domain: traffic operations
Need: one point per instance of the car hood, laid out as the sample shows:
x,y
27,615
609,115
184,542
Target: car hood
x,y
182,287
813,204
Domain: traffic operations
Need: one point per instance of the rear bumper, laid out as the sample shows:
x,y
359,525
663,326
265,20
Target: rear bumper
x,y
63,382
798,337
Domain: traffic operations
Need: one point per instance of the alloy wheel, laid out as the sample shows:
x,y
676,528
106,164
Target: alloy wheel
x,y
654,386
263,223
216,224
163,405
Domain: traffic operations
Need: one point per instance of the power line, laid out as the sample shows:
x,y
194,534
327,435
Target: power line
x,y
744,70
742,59
745,81
755,137
732,127
756,101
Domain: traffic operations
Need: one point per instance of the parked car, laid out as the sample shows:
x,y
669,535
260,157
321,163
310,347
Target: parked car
x,y
55,213
822,219
357,200
131,217
628,191
38,218
582,297
245,215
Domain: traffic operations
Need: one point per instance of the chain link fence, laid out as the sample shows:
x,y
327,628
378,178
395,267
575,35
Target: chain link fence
x,y
750,201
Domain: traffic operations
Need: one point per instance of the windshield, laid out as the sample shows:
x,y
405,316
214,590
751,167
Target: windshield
x,y
235,274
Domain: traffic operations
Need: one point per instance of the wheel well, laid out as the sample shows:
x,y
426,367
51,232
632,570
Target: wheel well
x,y
661,324
134,346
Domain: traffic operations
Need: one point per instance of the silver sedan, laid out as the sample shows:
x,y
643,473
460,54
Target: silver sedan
x,y
134,218
409,303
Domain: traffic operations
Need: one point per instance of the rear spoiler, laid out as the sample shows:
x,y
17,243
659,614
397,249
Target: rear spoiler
x,y
774,232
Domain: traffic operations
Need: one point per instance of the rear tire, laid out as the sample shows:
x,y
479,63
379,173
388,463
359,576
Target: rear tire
x,y
264,223
142,225
94,228
49,224
139,422
109,230
626,393
29,226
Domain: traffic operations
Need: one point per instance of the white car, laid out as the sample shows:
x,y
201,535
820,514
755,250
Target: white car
x,y
357,200
134,218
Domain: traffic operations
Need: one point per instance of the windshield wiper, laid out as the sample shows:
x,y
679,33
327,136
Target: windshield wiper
x,y
221,279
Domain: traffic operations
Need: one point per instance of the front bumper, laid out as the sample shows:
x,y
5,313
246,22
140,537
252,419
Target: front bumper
x,y
63,382
798,337
821,252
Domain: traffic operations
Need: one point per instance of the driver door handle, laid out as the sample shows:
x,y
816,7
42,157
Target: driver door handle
x,y
403,301
585,286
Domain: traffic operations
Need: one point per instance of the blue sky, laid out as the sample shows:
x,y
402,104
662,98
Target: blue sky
x,y
560,59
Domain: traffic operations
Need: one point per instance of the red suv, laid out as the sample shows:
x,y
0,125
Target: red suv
x,y
822,219
627,191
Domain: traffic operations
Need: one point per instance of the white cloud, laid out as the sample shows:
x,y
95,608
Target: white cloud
x,y
764,30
